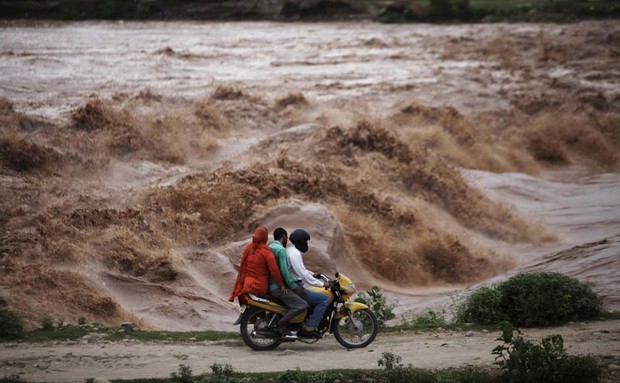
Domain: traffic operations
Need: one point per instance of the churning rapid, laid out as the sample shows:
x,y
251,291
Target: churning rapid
x,y
136,158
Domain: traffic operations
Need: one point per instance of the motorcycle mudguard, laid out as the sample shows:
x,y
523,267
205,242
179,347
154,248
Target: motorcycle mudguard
x,y
353,307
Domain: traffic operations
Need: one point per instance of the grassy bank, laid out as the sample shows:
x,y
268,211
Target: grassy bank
x,y
290,10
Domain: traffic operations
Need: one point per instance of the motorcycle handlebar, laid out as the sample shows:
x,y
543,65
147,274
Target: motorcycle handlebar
x,y
322,276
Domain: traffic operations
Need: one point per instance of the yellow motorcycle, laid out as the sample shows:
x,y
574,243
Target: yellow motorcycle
x,y
352,323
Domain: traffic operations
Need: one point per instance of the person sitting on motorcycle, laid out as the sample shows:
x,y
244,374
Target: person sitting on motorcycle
x,y
299,238
293,298
257,264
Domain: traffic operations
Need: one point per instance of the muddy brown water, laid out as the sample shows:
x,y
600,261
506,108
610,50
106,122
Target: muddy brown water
x,y
49,69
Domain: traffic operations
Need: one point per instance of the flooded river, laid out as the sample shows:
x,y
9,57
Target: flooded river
x,y
49,69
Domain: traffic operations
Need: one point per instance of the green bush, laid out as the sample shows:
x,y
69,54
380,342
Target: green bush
x,y
11,325
428,319
390,361
524,362
482,307
182,375
544,299
47,324
377,303
221,374
531,299
12,379
440,9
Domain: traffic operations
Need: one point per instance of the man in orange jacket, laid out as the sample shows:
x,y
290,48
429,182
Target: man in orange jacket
x,y
257,263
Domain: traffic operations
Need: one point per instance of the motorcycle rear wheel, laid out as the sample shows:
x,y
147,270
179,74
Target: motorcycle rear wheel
x,y
358,332
252,324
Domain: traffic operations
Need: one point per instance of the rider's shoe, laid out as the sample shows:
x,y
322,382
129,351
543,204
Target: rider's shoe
x,y
283,328
309,332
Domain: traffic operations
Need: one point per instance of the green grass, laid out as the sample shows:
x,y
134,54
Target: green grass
x,y
113,334
427,321
610,315
393,375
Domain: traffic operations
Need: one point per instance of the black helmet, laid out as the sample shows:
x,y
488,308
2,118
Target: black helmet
x,y
300,238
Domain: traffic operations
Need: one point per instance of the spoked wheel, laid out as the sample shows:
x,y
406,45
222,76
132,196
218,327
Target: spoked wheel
x,y
358,331
255,330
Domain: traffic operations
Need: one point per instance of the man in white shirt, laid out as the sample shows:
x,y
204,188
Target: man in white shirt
x,y
299,239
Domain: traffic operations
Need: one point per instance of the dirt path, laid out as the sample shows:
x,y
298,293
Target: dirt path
x,y
77,361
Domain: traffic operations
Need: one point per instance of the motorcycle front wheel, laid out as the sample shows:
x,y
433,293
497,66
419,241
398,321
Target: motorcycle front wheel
x,y
255,330
357,331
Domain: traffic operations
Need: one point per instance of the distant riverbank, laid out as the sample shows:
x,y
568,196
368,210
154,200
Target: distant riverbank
x,y
313,10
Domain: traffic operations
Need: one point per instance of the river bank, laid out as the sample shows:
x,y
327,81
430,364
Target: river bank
x,y
313,10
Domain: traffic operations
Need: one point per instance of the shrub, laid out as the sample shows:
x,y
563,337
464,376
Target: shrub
x,y
481,307
221,374
182,375
544,299
12,379
428,319
375,300
11,325
523,361
440,8
390,361
47,324
531,299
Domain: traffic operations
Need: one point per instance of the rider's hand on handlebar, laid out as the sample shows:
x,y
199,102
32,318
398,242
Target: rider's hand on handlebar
x,y
327,285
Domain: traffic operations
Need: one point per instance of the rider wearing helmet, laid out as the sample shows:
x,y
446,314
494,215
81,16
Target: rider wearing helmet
x,y
299,238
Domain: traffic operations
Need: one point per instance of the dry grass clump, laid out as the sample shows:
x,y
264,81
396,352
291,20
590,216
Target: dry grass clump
x,y
293,98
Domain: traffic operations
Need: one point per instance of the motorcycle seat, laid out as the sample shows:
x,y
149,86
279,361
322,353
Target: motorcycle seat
x,y
268,297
